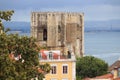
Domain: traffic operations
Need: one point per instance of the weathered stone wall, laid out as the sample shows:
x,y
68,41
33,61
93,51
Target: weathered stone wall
x,y
65,31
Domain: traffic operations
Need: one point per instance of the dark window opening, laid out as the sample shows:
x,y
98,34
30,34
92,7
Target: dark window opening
x,y
45,34
65,69
50,55
78,27
59,29
54,70
69,54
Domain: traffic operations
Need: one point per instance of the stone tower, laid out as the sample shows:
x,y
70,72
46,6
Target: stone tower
x,y
59,30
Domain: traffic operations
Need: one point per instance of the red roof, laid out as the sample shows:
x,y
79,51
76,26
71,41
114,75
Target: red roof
x,y
117,78
11,56
106,76
40,70
44,56
55,56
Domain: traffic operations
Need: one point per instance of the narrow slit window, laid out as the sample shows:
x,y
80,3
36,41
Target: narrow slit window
x,y
45,34
59,29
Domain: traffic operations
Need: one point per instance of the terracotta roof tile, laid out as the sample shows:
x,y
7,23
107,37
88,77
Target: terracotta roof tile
x,y
55,56
117,78
106,76
40,70
44,56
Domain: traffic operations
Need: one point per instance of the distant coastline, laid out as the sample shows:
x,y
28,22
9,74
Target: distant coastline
x,y
28,30
90,26
103,31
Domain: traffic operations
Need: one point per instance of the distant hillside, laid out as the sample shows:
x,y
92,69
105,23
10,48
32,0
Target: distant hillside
x,y
113,25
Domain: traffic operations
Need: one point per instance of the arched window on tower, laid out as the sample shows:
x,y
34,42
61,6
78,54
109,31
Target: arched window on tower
x,y
45,34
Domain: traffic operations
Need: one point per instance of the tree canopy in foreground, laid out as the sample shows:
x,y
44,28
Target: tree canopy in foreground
x,y
18,55
90,66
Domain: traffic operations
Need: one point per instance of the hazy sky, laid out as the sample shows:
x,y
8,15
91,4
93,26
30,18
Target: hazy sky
x,y
93,9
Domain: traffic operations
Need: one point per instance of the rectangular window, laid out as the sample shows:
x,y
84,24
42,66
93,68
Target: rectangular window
x,y
53,70
50,55
65,69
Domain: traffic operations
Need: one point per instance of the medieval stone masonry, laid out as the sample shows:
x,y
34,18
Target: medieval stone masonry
x,y
59,31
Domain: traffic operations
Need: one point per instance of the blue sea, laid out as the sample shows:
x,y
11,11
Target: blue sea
x,y
104,45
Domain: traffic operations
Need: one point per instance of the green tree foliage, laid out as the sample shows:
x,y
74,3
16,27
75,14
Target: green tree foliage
x,y
78,78
90,67
7,68
25,63
5,15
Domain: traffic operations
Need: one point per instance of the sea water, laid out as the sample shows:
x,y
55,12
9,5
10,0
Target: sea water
x,y
104,45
